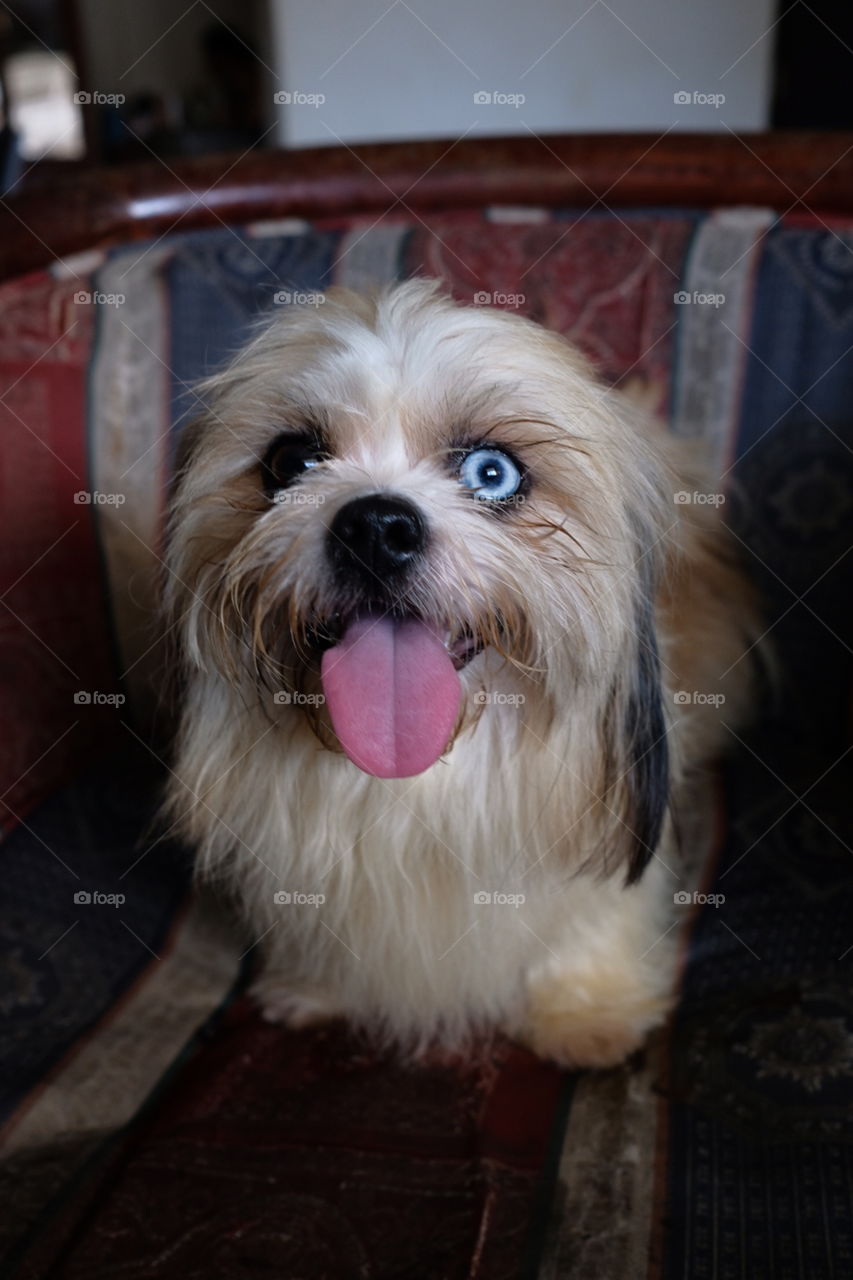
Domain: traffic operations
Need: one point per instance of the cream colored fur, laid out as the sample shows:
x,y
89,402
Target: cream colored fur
x,y
533,797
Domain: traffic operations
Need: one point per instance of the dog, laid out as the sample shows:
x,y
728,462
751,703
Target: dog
x,y
455,626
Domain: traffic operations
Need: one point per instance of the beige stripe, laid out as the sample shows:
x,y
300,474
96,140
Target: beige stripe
x,y
101,1085
130,411
602,1219
711,355
368,256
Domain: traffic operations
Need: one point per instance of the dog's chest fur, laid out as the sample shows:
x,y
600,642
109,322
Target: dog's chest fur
x,y
441,894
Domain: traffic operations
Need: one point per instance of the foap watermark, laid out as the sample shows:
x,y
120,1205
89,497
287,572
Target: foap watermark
x,y
695,98
497,699
298,498
297,298
485,898
511,499
93,698
87,98
686,498
288,898
695,698
298,98
97,499
497,98
286,698
83,298
684,899
696,298
85,898
482,298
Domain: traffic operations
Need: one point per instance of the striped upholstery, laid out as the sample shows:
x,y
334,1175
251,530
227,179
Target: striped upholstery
x,y
736,327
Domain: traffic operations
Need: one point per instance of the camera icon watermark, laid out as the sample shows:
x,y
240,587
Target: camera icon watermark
x,y
482,698
297,98
685,298
297,497
93,698
286,898
482,298
85,98
695,698
83,298
297,298
695,98
294,698
684,899
497,98
83,898
97,499
686,498
487,898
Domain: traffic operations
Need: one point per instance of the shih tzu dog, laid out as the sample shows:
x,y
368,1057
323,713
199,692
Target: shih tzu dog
x,y
452,640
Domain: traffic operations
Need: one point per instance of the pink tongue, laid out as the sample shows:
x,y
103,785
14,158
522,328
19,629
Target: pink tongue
x,y
393,695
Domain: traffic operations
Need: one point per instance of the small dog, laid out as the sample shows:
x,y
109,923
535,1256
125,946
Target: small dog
x,y
451,636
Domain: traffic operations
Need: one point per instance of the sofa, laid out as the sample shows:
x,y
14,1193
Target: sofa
x,y
152,1124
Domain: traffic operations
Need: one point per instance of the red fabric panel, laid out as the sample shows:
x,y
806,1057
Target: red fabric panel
x,y
605,282
54,638
308,1155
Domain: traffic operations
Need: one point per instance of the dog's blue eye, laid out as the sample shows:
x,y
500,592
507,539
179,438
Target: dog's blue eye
x,y
490,474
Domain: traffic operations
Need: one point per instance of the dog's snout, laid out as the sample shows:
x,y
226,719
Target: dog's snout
x,y
376,534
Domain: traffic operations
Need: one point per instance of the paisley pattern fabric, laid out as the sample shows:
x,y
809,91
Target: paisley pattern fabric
x,y
725,1148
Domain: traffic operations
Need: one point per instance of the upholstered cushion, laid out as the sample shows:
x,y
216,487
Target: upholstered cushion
x,y
725,1148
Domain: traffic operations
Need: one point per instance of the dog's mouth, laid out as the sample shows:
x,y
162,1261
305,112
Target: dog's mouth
x,y
462,644
391,684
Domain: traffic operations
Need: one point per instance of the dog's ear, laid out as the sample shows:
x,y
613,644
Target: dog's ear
x,y
646,754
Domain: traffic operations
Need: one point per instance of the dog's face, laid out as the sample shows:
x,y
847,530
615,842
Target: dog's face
x,y
413,505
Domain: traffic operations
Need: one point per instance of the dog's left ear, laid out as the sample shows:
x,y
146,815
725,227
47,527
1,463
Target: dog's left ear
x,y
645,755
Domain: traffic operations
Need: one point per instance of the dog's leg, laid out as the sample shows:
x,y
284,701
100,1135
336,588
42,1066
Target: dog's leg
x,y
292,1003
608,984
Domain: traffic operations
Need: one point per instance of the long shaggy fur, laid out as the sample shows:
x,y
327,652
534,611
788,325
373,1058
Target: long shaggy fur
x,y
594,601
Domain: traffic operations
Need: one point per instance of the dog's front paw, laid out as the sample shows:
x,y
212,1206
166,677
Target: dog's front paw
x,y
595,1020
293,1006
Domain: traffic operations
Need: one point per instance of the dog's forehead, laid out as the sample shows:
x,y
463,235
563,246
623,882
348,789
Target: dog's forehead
x,y
412,385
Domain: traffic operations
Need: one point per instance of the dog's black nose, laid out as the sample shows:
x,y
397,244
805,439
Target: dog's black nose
x,y
376,536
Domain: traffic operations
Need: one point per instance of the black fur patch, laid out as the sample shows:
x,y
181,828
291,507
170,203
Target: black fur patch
x,y
647,756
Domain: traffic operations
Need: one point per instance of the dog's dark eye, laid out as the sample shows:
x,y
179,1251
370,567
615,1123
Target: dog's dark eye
x,y
288,458
490,474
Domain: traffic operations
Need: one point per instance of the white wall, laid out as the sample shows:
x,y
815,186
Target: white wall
x,y
410,68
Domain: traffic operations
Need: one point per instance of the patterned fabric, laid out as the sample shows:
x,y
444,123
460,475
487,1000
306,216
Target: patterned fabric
x,y
724,1148
54,637
306,1155
107,969
761,1111
607,283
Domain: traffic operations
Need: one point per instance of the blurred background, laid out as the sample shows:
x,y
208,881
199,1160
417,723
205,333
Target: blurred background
x,y
86,82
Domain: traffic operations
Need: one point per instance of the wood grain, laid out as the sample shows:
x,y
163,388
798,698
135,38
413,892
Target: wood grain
x,y
70,211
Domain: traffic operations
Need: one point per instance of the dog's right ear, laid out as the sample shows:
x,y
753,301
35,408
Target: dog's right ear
x,y
637,769
646,759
